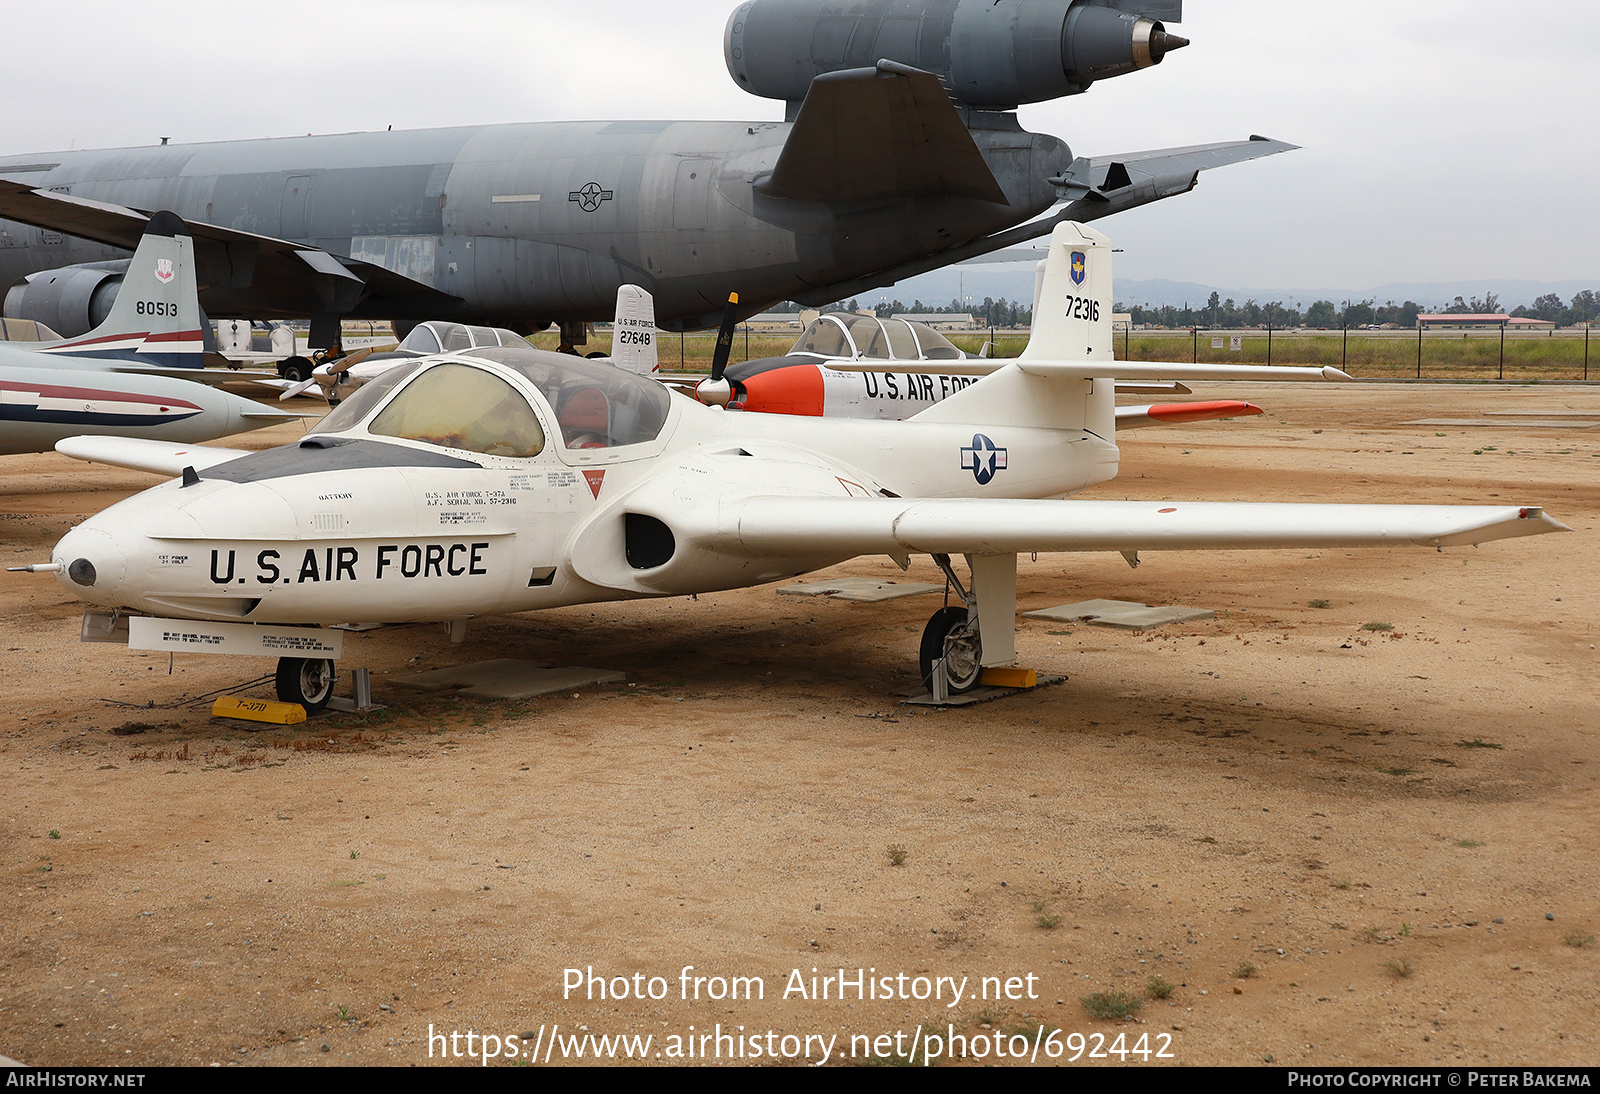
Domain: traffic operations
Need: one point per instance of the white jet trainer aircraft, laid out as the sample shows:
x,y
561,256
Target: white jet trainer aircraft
x,y
505,480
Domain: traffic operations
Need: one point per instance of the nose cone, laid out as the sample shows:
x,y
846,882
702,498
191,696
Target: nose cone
x,y
95,566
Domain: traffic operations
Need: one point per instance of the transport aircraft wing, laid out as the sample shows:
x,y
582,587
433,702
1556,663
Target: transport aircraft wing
x,y
240,261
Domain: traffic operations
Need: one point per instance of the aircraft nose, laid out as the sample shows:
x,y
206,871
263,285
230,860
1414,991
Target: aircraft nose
x,y
94,564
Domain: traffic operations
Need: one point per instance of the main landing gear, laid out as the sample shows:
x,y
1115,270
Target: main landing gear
x,y
954,651
306,680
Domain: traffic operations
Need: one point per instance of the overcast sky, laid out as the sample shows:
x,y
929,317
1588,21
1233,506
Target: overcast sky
x,y
1442,140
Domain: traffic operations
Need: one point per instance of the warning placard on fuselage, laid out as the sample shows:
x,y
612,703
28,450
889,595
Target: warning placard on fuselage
x,y
243,639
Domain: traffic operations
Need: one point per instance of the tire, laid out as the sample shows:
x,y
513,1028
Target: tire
x,y
295,369
307,681
964,664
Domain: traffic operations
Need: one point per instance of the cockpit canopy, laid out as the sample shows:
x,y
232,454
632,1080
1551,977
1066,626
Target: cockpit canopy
x,y
441,337
845,334
455,403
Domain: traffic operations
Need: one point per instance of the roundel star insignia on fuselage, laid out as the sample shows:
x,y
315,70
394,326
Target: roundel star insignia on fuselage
x,y
590,197
983,459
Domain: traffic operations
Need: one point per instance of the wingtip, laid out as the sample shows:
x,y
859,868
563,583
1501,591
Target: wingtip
x,y
1331,373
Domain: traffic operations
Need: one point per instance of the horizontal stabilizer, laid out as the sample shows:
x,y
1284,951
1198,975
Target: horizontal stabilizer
x,y
868,134
140,454
894,526
1086,186
1151,370
1138,417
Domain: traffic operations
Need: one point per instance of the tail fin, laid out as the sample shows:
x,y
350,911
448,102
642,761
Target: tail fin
x,y
155,319
1071,322
633,336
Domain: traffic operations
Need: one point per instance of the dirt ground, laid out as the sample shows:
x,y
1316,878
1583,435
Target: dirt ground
x,y
1336,844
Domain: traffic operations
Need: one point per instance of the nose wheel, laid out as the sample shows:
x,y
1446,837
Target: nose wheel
x,y
307,681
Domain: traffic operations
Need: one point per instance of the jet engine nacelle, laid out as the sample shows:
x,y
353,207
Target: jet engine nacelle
x,y
989,54
70,301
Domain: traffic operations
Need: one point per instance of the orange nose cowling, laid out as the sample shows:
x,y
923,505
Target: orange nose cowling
x,y
796,389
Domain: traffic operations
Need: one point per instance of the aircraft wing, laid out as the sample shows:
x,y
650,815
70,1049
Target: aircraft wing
x,y
879,133
305,279
141,454
211,376
896,526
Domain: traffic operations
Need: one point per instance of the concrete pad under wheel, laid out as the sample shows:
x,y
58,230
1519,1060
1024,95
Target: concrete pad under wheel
x,y
507,678
864,590
1123,614
924,698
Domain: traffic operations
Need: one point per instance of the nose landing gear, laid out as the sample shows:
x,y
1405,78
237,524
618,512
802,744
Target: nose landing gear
x,y
306,680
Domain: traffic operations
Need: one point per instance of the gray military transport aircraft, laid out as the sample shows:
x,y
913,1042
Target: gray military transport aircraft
x,y
900,152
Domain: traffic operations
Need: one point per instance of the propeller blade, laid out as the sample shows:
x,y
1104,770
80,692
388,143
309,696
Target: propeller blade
x,y
298,389
719,357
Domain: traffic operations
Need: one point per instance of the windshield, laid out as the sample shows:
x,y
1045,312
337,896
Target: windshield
x,y
825,337
367,396
440,337
458,406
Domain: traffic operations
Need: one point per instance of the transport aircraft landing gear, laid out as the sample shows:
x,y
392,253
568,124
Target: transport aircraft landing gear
x,y
305,680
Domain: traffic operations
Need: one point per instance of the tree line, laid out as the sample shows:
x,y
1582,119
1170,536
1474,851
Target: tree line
x,y
1226,314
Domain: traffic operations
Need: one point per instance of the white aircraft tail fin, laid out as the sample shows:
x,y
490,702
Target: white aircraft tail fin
x,y
633,336
1071,322
155,319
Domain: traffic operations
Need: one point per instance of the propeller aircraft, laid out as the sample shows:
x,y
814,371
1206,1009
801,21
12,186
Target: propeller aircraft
x,y
849,365
506,480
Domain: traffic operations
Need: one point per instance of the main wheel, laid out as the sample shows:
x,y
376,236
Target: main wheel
x,y
952,637
295,369
305,680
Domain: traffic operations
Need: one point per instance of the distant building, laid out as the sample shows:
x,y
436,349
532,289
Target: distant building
x,y
1481,322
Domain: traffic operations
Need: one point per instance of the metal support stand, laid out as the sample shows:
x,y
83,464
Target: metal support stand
x,y
941,683
361,702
